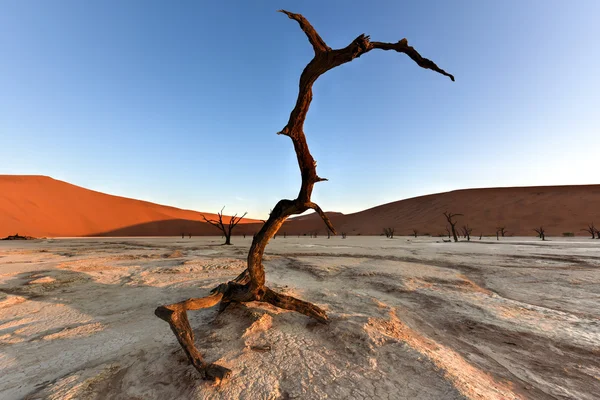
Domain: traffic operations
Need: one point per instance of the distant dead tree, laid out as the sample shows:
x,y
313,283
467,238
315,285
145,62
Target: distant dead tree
x,y
449,232
480,236
415,232
502,230
449,218
467,232
389,232
225,228
592,229
597,233
343,235
190,235
183,236
243,234
541,232
328,234
250,285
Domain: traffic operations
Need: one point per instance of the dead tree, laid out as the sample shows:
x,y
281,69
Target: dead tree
x,y
467,232
480,236
389,232
415,232
541,232
344,234
597,233
250,284
225,228
592,229
452,223
502,230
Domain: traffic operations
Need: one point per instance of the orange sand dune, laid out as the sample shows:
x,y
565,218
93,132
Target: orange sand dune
x,y
42,206
520,209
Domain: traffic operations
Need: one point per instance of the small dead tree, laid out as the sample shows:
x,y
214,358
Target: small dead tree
x,y
480,236
467,232
541,232
225,228
250,285
344,235
592,230
449,218
389,232
415,232
502,230
597,233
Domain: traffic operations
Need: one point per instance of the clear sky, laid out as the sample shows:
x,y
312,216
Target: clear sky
x,y
179,102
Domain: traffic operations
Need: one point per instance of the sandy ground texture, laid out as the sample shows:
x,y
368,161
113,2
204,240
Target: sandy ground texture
x,y
410,318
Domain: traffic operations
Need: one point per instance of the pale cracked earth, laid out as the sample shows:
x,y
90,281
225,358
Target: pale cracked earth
x,y
410,319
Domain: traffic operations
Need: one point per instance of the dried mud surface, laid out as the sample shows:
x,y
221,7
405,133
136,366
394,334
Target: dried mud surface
x,y
410,318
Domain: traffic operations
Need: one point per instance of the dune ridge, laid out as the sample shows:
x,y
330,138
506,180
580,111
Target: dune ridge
x,y
42,206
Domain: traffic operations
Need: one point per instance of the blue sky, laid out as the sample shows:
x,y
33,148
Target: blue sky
x,y
179,102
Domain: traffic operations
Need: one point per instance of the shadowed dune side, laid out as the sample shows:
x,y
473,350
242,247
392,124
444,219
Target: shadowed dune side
x,y
42,206
175,227
520,209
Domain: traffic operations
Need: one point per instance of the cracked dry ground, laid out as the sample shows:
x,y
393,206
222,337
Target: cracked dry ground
x,y
410,318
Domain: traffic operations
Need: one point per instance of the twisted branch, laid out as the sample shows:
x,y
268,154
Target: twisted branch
x,y
250,284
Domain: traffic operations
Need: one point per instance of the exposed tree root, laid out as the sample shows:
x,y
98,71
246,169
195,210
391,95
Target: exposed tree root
x,y
176,316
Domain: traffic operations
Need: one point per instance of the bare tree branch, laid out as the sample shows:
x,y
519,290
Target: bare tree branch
x,y
250,285
315,40
403,47
324,216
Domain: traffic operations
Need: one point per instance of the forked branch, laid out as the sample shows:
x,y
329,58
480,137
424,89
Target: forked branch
x,y
250,284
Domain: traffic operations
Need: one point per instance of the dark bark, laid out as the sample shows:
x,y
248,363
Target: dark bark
x,y
467,232
250,285
226,229
449,218
592,230
541,232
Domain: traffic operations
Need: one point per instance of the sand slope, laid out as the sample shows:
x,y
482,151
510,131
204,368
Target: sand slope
x,y
42,206
520,209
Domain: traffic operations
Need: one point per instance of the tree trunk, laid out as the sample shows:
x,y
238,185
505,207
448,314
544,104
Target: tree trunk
x,y
250,284
454,234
